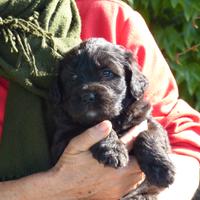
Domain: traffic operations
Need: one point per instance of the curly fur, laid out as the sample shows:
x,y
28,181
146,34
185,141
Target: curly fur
x,y
98,80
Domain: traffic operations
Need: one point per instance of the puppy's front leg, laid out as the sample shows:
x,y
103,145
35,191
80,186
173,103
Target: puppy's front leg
x,y
151,150
111,151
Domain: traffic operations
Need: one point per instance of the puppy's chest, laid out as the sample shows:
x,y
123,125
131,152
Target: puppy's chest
x,y
130,119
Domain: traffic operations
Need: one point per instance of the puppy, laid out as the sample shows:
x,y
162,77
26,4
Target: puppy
x,y
98,81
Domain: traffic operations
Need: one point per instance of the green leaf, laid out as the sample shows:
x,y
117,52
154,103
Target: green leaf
x,y
156,5
197,94
180,75
174,3
188,9
189,34
192,74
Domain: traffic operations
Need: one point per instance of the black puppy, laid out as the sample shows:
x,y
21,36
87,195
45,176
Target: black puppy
x,y
98,80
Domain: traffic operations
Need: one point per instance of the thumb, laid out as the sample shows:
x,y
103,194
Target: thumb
x,y
88,138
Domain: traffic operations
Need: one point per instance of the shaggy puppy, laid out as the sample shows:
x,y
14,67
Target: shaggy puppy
x,y
98,80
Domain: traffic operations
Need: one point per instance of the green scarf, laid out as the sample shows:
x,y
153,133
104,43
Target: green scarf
x,y
34,35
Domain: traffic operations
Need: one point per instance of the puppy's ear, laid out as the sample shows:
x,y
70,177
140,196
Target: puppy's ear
x,y
55,93
136,81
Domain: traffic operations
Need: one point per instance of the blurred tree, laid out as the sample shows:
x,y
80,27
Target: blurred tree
x,y
175,25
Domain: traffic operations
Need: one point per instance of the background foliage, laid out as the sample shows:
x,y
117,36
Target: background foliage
x,y
175,25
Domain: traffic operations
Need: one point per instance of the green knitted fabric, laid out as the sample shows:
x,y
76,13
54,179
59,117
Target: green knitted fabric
x,y
34,34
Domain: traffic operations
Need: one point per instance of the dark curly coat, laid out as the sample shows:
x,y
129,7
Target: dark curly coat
x,y
98,80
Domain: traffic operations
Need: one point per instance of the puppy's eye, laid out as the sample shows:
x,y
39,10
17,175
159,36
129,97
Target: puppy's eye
x,y
107,73
74,77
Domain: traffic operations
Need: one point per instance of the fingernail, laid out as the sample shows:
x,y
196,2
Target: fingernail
x,y
104,126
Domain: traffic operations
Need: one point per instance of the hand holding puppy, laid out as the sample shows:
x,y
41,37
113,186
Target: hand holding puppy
x,y
85,177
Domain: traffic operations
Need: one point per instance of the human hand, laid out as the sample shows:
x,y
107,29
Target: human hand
x,y
130,136
80,176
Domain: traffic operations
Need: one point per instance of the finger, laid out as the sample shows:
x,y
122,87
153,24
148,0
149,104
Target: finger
x,y
91,136
130,136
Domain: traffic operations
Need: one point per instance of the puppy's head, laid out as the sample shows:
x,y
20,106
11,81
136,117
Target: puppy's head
x,y
95,79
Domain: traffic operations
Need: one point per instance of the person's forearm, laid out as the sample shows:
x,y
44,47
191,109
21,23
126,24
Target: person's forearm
x,y
38,186
25,188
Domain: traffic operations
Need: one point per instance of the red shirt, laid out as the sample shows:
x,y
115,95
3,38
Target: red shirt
x,y
118,23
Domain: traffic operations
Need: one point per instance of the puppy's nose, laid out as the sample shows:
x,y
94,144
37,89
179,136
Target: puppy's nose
x,y
88,97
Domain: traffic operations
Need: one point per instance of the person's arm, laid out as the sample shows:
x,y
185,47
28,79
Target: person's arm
x,y
186,179
177,117
77,175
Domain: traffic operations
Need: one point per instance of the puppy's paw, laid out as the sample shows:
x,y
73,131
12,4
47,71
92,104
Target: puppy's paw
x,y
112,154
160,173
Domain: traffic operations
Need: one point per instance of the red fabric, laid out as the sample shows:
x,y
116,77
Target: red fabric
x,y
118,23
